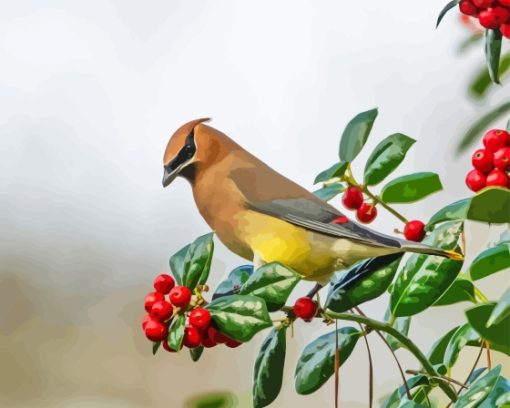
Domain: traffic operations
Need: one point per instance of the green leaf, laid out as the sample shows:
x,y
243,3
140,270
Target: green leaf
x,y
411,188
191,264
498,334
213,400
491,205
363,282
236,279
503,400
402,324
490,261
272,282
336,170
268,372
386,157
445,10
196,353
316,363
474,132
423,279
240,317
482,81
176,333
477,373
436,354
493,53
329,192
452,212
461,290
469,42
395,397
501,387
155,347
501,311
463,335
479,391
355,135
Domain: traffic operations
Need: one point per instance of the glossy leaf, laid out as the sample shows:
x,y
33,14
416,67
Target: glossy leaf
x,y
461,290
336,170
190,266
482,81
411,188
411,404
329,192
493,53
475,374
176,333
272,282
397,395
363,282
423,279
475,131
268,372
503,400
501,311
463,335
355,135
402,324
501,387
316,364
236,279
445,10
491,205
196,353
479,391
436,354
239,317
155,347
498,334
490,261
453,212
386,157
212,400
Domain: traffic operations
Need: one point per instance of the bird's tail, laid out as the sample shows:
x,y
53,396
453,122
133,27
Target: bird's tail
x,y
428,250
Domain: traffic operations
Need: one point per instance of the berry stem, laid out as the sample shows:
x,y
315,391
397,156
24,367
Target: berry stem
x,y
377,200
404,340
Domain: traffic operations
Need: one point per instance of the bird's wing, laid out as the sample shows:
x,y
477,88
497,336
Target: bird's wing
x,y
269,192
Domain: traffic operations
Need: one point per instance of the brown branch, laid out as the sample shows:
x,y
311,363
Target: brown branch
x,y
370,368
337,365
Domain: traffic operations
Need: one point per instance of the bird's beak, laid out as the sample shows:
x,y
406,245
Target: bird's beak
x,y
169,176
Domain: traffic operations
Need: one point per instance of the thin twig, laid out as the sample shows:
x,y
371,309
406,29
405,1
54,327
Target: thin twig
x,y
408,391
337,365
489,361
443,377
370,370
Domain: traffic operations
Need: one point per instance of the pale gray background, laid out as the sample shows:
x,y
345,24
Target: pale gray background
x,y
90,92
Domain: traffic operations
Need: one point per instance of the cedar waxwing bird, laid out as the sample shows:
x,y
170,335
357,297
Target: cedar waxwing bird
x,y
265,217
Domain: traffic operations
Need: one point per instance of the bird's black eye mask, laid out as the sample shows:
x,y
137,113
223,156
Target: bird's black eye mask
x,y
185,154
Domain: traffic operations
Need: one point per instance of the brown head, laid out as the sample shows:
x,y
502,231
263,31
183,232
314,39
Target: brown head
x,y
191,148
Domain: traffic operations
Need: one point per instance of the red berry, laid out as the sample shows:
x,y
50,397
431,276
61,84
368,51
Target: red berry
x,y
492,18
233,343
166,346
366,213
152,298
468,8
180,296
505,29
482,160
164,283
352,198
216,336
495,139
155,331
414,230
145,320
191,338
505,3
199,318
497,178
502,158
207,342
475,180
483,3
162,310
305,308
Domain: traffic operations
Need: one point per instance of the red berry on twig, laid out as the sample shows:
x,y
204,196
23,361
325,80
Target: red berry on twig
x,y
191,337
505,29
495,139
162,310
180,296
502,158
232,343
164,283
482,160
475,180
305,308
492,18
352,198
468,8
152,298
483,3
199,318
145,320
155,330
366,213
414,230
497,178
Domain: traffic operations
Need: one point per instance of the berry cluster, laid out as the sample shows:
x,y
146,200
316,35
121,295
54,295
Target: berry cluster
x,y
492,14
198,332
492,163
352,199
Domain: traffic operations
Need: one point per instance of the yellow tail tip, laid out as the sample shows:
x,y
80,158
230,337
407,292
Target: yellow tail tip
x,y
455,255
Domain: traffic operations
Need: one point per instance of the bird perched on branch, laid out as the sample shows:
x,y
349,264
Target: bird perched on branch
x,y
264,217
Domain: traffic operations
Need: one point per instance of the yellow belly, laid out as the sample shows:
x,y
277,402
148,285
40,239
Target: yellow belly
x,y
274,240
